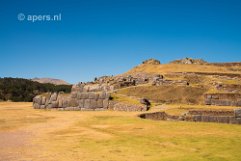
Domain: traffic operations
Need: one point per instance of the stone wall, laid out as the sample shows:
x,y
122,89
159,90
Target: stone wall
x,y
170,82
82,97
233,88
49,100
219,116
122,81
159,116
120,106
154,116
83,101
223,99
211,112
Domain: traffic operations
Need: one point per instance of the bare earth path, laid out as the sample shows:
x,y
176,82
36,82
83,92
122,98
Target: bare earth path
x,y
27,134
25,143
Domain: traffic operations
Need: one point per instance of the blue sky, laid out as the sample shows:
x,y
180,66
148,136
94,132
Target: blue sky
x,y
108,37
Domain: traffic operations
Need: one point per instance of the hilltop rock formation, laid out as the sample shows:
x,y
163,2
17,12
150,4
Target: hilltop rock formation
x,y
189,61
151,61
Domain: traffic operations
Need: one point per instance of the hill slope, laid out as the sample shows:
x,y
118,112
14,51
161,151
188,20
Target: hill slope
x,y
201,78
51,80
151,68
18,89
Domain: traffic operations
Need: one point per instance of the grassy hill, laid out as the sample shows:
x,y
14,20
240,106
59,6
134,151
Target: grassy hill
x,y
167,94
171,68
202,77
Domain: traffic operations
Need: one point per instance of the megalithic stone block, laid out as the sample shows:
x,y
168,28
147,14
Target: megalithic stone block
x,y
53,97
237,113
87,103
105,103
81,103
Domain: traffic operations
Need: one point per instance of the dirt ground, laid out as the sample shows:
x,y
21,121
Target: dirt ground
x,y
27,134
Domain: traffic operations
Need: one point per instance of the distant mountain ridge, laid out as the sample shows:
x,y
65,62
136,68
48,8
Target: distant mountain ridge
x,y
20,89
51,80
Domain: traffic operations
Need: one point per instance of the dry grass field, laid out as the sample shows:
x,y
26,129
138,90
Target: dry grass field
x,y
27,134
169,68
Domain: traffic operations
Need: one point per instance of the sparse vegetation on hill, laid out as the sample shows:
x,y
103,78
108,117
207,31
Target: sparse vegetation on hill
x,y
189,61
171,68
151,66
201,78
167,94
18,89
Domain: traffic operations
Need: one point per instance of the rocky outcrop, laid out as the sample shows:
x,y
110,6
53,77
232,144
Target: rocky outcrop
x,y
157,80
138,79
151,61
223,99
189,61
121,82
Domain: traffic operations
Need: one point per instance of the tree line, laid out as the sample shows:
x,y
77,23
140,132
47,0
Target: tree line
x,y
19,89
